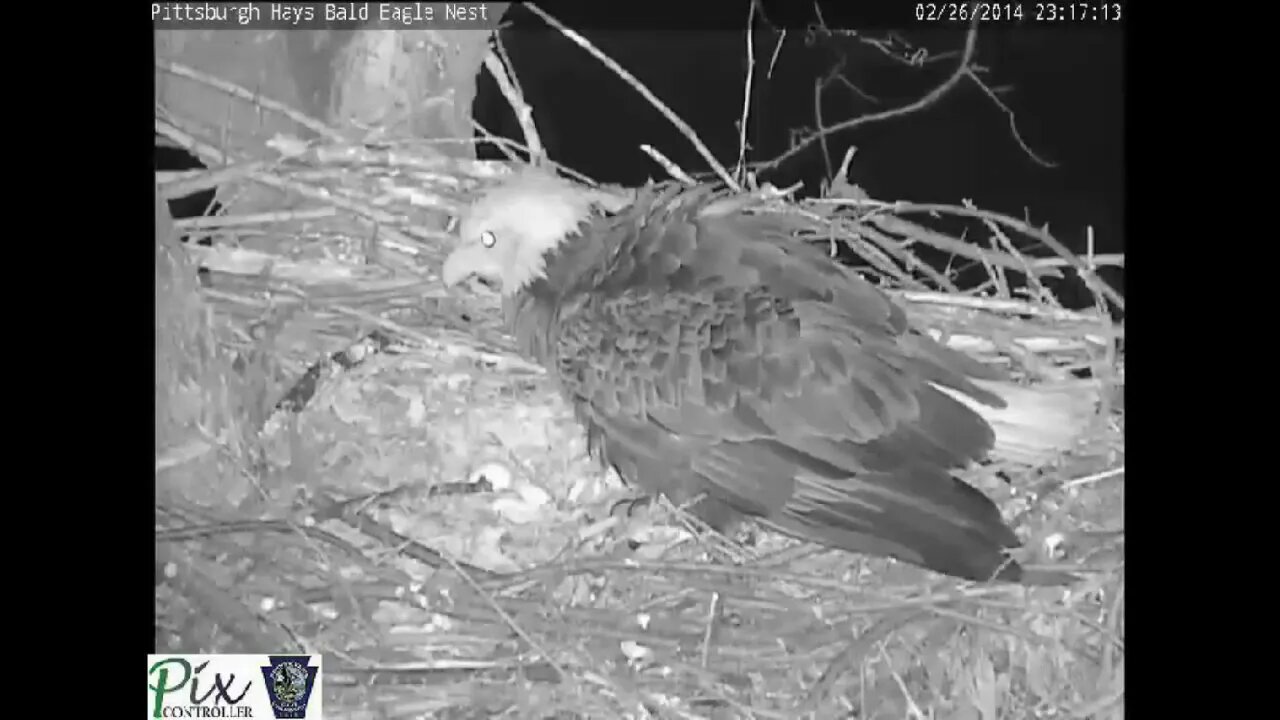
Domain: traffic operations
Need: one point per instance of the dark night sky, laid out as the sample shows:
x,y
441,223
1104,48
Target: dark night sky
x,y
1065,86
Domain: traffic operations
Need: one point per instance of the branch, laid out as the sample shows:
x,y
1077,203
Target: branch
x,y
1086,273
777,50
252,97
1013,120
821,134
961,71
631,80
672,169
504,76
740,170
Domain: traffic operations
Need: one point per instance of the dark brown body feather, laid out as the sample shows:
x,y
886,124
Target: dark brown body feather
x,y
706,351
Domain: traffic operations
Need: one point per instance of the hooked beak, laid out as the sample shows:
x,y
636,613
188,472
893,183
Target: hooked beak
x,y
459,266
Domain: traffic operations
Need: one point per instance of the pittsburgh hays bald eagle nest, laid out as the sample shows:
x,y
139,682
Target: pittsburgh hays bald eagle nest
x,y
706,351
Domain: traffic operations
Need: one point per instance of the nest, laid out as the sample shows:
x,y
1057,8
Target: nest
x,y
351,461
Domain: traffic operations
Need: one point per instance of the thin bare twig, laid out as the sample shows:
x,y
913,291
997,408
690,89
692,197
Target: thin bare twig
x,y
1013,120
505,77
508,620
672,169
739,172
899,209
504,145
843,172
1096,283
209,154
970,46
506,62
818,85
777,50
252,97
645,92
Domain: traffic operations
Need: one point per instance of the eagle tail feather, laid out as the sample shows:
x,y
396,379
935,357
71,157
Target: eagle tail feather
x,y
1038,422
924,517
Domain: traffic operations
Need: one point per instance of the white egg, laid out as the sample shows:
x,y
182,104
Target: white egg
x,y
516,511
533,495
496,473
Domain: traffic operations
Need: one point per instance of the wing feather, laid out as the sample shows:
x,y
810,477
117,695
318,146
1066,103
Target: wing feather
x,y
919,515
712,355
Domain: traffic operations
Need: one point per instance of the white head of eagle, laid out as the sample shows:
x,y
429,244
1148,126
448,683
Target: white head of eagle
x,y
505,235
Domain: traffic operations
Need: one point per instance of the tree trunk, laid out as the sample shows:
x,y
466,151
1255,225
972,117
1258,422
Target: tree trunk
x,y
406,84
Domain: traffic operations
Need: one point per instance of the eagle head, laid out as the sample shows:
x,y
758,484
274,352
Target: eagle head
x,y
506,233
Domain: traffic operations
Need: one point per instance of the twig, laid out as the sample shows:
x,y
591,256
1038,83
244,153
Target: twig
x,y
1104,260
898,251
1017,307
250,96
1098,706
1095,283
853,654
913,708
1038,290
1099,286
507,64
184,453
508,620
672,169
914,233
505,77
818,85
1089,274
504,145
740,170
1013,120
997,273
970,45
631,80
1113,626
364,210
206,152
713,615
214,222
440,341
185,182
849,152
777,50
1096,477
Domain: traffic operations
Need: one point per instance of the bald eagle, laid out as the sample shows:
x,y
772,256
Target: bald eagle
x,y
710,355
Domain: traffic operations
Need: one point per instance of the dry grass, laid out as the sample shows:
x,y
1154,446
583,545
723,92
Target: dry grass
x,y
431,601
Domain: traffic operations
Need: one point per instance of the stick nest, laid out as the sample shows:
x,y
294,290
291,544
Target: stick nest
x,y
351,461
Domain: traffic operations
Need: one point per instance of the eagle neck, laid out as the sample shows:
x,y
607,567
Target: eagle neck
x,y
575,262
568,270
533,319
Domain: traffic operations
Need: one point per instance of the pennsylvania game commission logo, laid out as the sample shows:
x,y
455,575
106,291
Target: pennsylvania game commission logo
x,y
234,686
289,683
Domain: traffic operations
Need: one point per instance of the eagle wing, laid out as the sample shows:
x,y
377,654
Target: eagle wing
x,y
709,352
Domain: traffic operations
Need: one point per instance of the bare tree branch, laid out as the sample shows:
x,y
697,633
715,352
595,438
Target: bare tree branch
x,y
739,171
505,77
901,51
1013,120
645,92
970,45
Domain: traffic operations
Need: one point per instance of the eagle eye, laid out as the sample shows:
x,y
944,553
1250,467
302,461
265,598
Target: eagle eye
x,y
488,239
